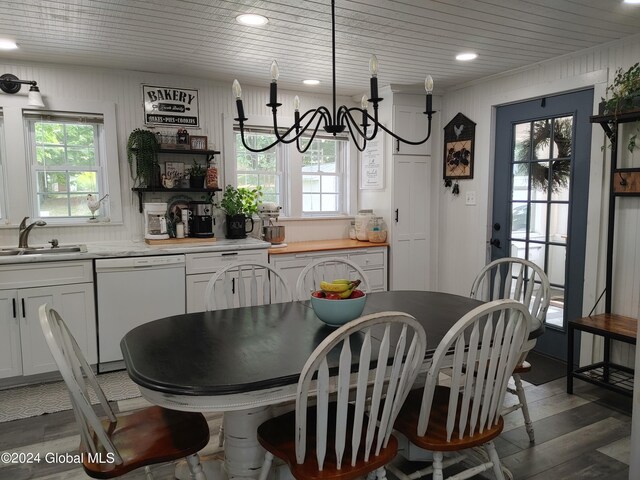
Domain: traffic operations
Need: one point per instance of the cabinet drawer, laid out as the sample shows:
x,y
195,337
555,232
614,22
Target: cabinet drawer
x,y
369,259
45,273
376,278
210,262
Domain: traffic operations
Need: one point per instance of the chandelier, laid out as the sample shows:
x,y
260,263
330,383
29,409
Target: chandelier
x,y
333,121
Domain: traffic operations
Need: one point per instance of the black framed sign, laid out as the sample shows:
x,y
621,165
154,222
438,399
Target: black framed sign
x,y
459,139
170,106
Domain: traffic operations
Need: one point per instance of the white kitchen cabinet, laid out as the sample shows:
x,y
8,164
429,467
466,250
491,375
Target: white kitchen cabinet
x,y
67,287
200,268
410,123
373,260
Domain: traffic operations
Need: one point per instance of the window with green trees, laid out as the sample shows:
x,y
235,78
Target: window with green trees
x,y
65,165
304,184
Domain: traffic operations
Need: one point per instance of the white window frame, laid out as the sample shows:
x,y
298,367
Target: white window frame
x,y
19,192
291,186
100,154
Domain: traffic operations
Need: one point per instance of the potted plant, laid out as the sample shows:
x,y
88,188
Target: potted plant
x,y
240,204
623,93
143,146
197,173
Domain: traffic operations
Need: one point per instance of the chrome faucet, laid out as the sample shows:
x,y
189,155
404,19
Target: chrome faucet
x,y
23,231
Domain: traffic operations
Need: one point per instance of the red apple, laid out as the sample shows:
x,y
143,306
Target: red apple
x,y
318,294
332,296
357,294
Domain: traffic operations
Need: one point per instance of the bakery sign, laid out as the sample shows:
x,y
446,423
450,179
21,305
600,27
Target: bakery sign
x,y
170,106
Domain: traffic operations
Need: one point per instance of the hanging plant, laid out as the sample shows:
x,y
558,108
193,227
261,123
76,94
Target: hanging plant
x,y
539,171
143,146
624,92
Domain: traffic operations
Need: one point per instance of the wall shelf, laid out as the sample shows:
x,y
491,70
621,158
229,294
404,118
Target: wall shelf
x,y
142,190
177,151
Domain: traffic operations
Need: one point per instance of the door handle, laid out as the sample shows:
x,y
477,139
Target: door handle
x,y
396,215
397,145
24,315
13,301
495,242
233,285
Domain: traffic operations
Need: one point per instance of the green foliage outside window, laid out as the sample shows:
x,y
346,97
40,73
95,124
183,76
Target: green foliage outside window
x,y
66,167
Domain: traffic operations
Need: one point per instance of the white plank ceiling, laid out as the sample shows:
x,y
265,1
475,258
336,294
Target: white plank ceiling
x,y
410,37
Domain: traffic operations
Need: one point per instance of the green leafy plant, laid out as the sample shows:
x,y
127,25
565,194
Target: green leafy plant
x,y
241,200
196,170
623,90
143,146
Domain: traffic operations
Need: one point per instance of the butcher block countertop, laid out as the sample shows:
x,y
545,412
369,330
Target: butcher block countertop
x,y
323,245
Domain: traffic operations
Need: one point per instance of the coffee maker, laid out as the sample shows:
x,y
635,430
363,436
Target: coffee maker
x,y
201,220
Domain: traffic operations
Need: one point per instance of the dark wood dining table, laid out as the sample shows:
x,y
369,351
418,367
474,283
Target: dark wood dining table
x,y
243,361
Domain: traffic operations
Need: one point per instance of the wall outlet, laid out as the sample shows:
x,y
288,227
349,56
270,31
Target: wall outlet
x,y
471,198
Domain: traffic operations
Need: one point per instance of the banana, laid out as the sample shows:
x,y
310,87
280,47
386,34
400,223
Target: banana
x,y
342,280
334,287
346,293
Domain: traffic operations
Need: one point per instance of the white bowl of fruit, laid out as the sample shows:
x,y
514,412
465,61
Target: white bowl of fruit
x,y
338,302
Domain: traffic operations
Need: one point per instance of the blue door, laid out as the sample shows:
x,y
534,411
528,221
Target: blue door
x,y
540,197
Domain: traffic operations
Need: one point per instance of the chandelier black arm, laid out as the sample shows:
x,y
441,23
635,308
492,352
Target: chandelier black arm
x,y
255,150
352,128
311,137
282,138
325,116
345,114
398,137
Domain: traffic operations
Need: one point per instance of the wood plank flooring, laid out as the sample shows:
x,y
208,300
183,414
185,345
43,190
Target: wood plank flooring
x,y
585,435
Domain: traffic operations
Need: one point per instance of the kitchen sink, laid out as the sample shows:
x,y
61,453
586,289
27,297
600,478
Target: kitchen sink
x,y
44,250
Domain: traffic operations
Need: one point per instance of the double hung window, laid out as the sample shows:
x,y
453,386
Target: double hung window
x,y
66,163
310,184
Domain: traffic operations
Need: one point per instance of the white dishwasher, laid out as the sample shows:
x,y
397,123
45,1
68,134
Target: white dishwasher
x,y
132,291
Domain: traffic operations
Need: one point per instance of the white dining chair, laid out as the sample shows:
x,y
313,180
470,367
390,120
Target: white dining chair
x,y
120,443
485,345
345,433
329,269
526,282
261,284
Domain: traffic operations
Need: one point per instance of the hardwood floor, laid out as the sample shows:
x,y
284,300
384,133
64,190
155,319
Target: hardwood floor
x,y
585,435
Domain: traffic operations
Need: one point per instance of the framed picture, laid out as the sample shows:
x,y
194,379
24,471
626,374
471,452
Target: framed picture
x,y
459,140
372,165
198,142
170,106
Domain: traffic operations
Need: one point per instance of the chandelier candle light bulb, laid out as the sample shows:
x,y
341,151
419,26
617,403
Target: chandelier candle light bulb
x,y
333,120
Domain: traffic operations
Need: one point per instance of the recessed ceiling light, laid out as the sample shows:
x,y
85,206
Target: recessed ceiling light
x,y
465,57
252,19
632,2
6,44
311,82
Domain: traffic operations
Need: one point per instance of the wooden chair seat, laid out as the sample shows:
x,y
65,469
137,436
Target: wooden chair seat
x,y
435,439
149,436
277,435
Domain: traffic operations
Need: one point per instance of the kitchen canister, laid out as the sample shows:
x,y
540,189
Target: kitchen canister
x,y
362,220
377,230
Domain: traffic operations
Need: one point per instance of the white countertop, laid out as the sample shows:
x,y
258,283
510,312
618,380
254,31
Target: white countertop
x,y
135,249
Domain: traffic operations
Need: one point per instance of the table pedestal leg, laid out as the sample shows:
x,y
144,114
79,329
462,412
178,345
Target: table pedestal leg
x,y
243,455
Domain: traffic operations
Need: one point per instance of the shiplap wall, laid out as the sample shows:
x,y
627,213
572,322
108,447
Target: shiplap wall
x,y
463,231
123,88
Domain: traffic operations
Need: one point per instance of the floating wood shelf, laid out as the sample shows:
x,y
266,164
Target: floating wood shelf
x,y
142,190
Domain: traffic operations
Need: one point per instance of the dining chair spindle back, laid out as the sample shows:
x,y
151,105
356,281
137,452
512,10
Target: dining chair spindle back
x,y
484,345
329,269
261,284
347,435
526,282
124,442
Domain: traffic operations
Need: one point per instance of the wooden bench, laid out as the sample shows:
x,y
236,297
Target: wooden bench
x,y
605,374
